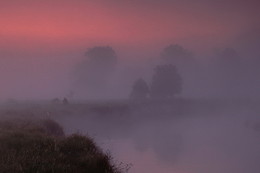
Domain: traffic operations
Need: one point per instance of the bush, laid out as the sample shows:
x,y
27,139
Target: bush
x,y
52,128
32,150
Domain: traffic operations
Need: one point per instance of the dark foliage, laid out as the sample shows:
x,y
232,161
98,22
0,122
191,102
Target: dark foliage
x,y
100,62
166,82
52,128
102,55
140,89
177,55
31,150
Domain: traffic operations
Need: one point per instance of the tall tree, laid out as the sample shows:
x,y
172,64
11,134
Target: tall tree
x,y
166,82
94,72
140,89
177,55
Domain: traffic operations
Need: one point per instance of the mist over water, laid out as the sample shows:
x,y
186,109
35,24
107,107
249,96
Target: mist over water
x,y
170,113
163,86
222,140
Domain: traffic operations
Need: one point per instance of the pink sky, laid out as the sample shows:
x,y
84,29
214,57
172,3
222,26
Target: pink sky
x,y
40,40
30,25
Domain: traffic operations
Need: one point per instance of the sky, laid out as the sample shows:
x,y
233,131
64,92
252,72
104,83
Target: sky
x,y
32,25
40,38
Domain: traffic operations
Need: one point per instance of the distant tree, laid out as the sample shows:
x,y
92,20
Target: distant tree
x,y
166,82
103,57
94,72
176,54
140,89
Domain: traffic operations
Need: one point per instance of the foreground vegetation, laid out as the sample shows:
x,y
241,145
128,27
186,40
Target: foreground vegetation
x,y
42,147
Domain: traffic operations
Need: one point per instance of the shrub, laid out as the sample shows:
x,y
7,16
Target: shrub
x,y
52,128
32,150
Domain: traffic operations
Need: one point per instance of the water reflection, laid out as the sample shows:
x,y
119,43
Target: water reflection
x,y
224,142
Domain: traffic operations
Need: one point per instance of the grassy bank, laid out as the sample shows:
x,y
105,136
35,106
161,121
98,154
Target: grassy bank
x,y
42,147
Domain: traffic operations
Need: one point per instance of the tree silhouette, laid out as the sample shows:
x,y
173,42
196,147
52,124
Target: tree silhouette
x,y
176,54
140,89
166,82
102,57
94,72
